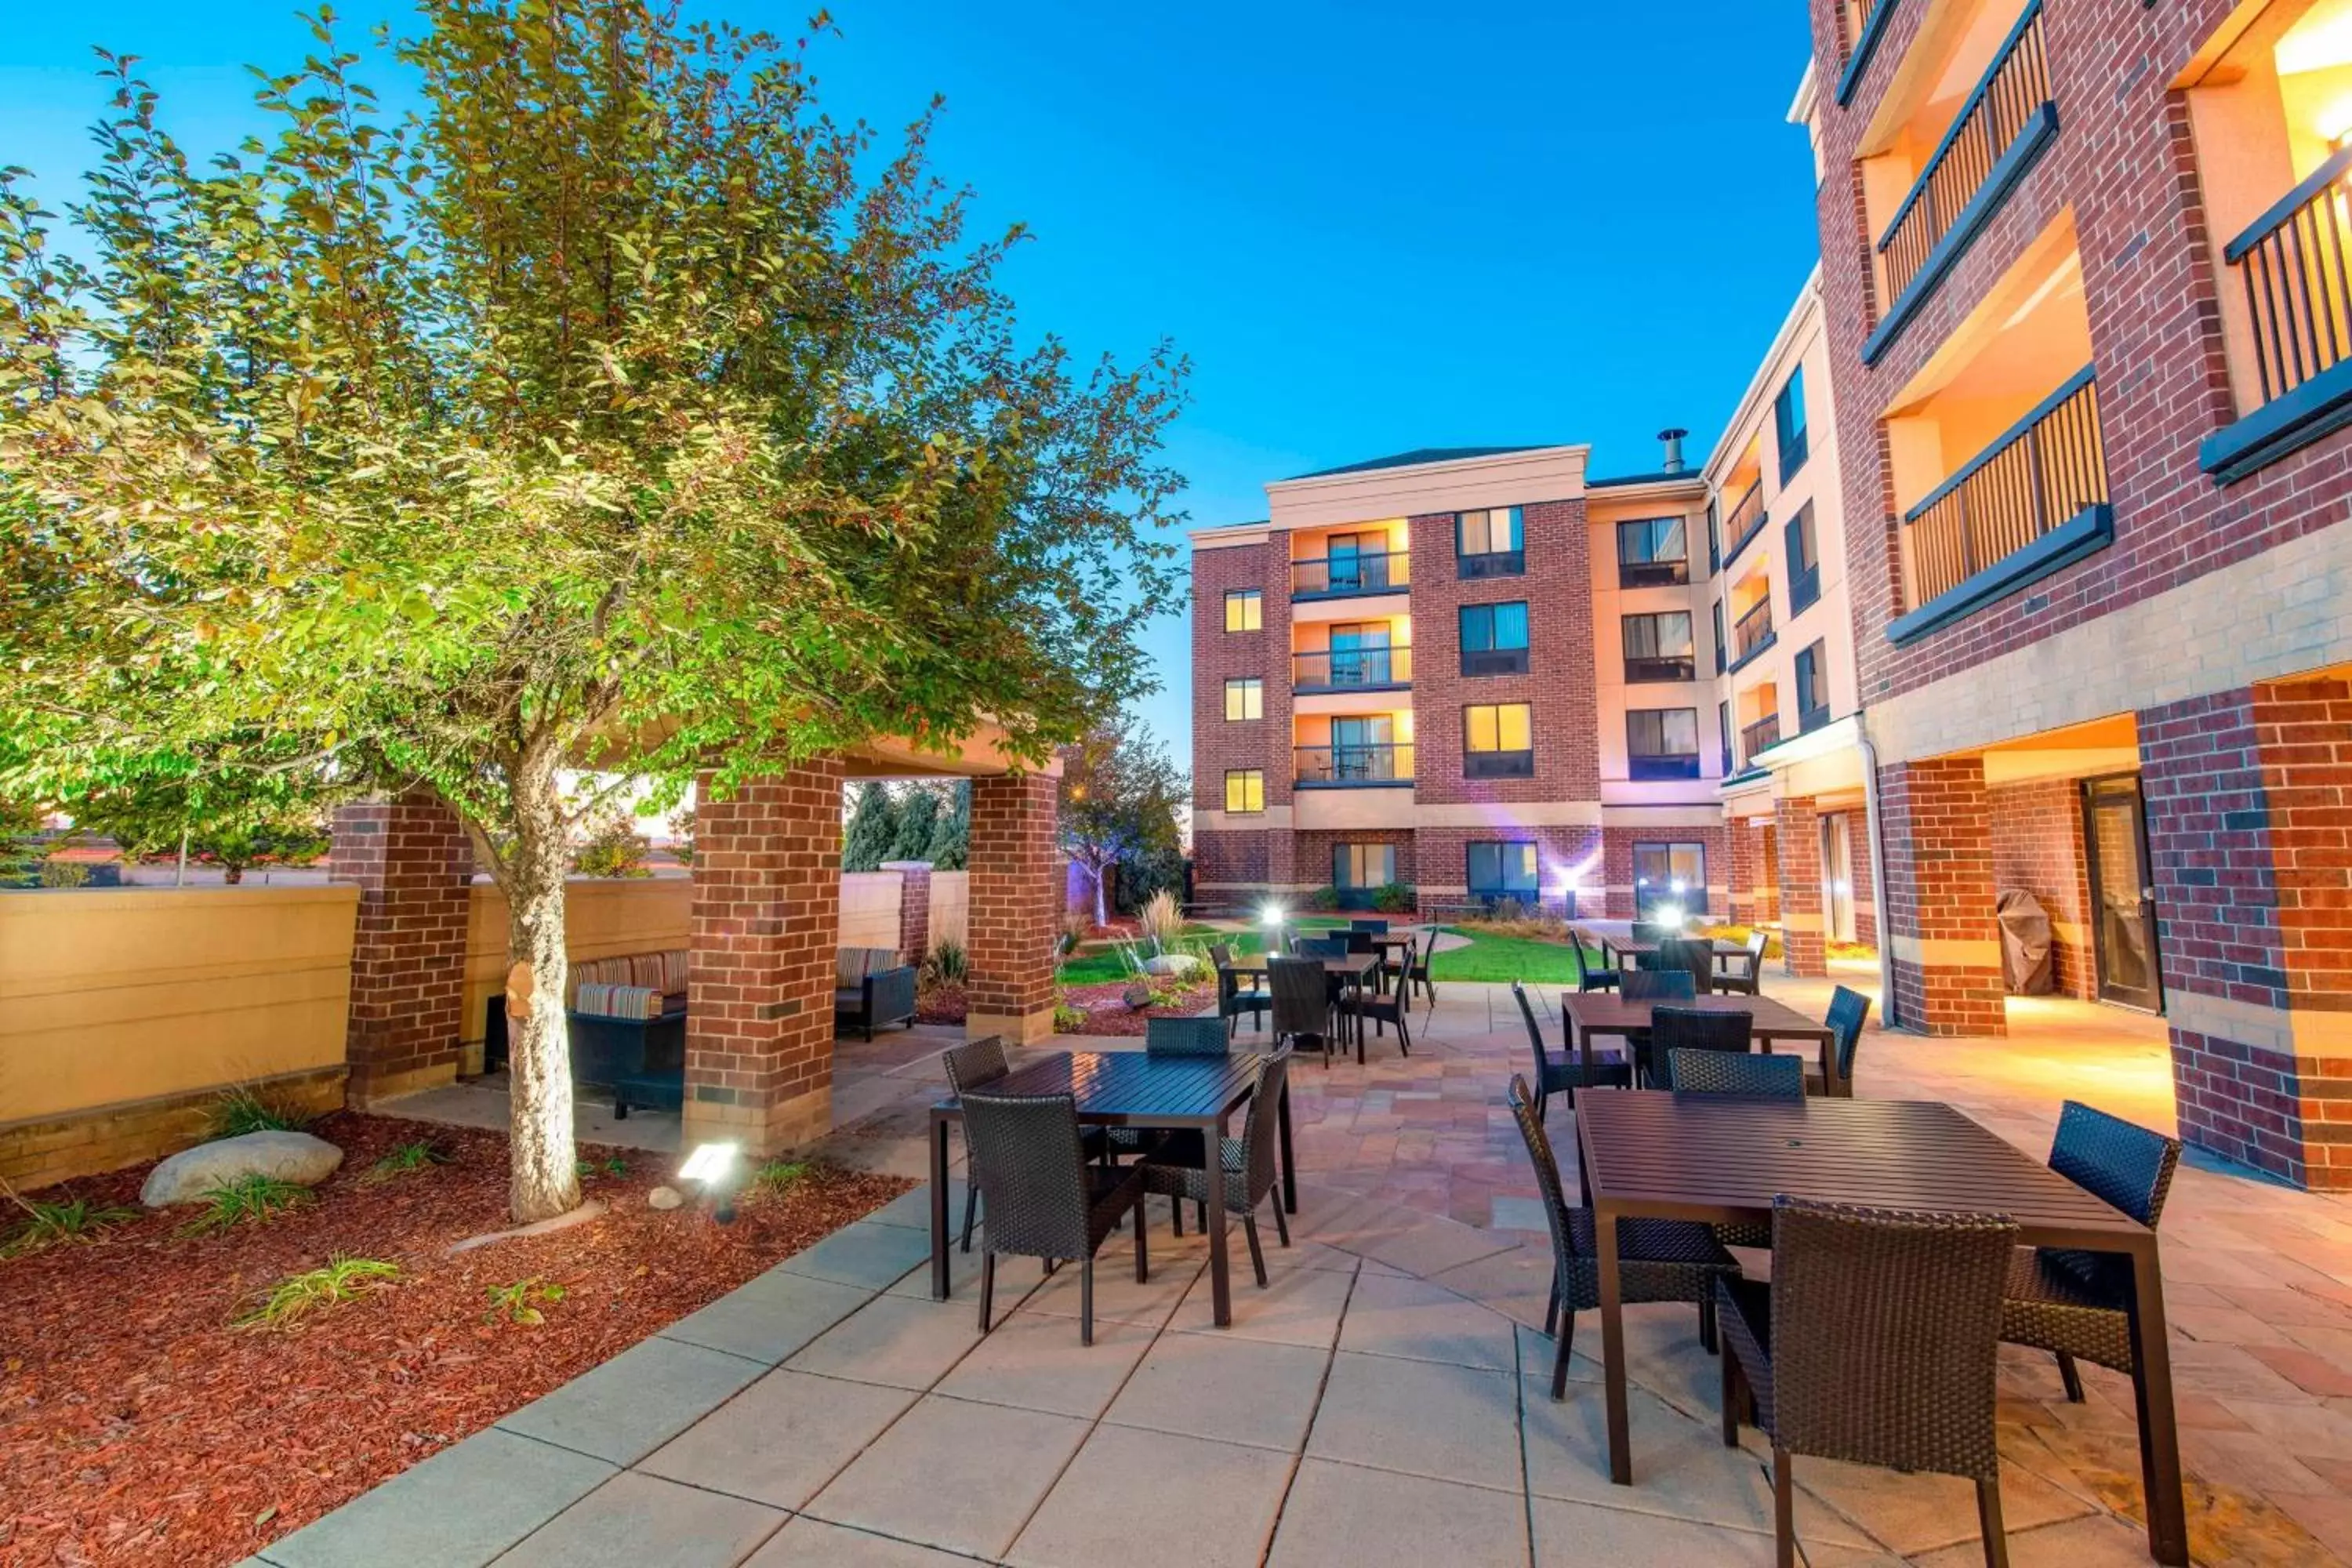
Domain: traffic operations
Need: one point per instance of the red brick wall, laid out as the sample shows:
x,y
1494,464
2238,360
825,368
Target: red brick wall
x,y
1014,898
1768,891
1563,854
1617,864
1746,840
1219,743
1939,889
1865,886
414,864
1796,825
1221,859
2037,845
2124,163
1312,852
914,908
764,928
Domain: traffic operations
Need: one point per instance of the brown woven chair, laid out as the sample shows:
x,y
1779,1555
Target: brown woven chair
x,y
1381,1010
1696,953
1893,1334
2077,1305
1588,978
1302,1005
973,1065
1178,1167
1848,1010
1232,998
1416,967
1743,971
1656,985
1691,1029
1742,1074
1558,1076
1657,1259
1044,1199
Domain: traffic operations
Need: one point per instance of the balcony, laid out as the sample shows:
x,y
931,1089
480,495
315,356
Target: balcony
x,y
1493,563
2034,501
1752,633
1662,765
1746,521
1865,22
1498,765
1383,765
2000,132
1761,736
1681,666
1478,661
1345,576
2292,265
1352,669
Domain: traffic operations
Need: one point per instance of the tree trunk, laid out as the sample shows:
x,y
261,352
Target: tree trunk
x,y
1102,909
544,1175
233,875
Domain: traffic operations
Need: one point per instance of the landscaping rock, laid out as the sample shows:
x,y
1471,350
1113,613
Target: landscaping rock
x,y
187,1176
665,1198
1178,964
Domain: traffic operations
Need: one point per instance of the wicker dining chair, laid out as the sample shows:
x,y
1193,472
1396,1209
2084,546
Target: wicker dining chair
x,y
973,1065
1376,928
1651,930
1657,1259
1178,1167
1565,1076
1905,1382
1232,999
1416,967
1302,1005
1725,1072
1744,972
1695,954
1656,985
2077,1305
1045,1200
1691,1029
1848,1010
1185,1037
1586,977
1381,1010
1321,947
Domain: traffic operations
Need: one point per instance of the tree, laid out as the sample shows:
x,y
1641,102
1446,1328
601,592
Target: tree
x,y
918,819
873,828
236,821
1119,798
951,846
621,412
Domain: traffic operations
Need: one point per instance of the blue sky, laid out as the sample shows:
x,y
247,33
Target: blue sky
x,y
1372,226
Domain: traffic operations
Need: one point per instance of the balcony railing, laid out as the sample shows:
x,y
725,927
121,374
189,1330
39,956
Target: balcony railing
x,y
1492,563
1760,736
1752,634
2011,104
1335,576
1350,668
2293,263
1747,519
1382,764
1498,765
1666,666
2045,472
1865,22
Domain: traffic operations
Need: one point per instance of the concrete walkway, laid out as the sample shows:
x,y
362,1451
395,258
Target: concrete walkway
x,y
1383,1402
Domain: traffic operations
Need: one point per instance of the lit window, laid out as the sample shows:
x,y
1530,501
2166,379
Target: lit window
x,y
1504,868
1363,864
1499,727
1245,790
1245,698
1244,610
1495,533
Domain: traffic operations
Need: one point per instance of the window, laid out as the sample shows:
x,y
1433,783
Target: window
x,y
1714,542
1651,554
1723,724
1804,559
1363,864
1662,743
1245,790
1669,874
1719,638
1659,647
1487,543
1494,639
1244,610
1245,698
1498,740
1812,688
1788,424
1500,869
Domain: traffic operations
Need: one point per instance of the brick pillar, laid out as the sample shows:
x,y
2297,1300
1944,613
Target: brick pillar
x,y
1768,857
1747,836
2249,793
914,908
1017,895
765,924
1940,897
415,867
1796,825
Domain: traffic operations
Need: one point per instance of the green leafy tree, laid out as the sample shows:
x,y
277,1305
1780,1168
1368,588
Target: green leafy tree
x,y
951,846
236,820
873,828
1119,798
918,819
621,411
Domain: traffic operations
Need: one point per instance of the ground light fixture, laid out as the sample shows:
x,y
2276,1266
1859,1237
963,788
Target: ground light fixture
x,y
715,1168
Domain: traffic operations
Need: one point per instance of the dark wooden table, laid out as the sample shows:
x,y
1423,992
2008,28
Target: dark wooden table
x,y
1617,937
1336,971
1722,1161
1129,1088
1586,1013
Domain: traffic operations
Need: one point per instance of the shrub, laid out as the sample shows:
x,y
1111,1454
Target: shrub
x,y
611,846
1323,899
298,1295
946,963
1160,921
417,1156
57,873
47,1224
1076,928
256,1198
519,1302
681,835
241,1110
1068,1020
1395,898
611,1165
779,1177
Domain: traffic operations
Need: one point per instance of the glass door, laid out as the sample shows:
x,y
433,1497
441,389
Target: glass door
x,y
2122,900
1362,749
1837,878
1360,654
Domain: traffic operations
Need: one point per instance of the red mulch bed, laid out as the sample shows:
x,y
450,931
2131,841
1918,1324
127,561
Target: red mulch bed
x,y
1106,1006
136,1427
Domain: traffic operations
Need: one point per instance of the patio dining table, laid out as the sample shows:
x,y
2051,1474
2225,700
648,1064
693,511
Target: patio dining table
x,y
1338,972
1722,1161
1617,938
1131,1088
1584,1014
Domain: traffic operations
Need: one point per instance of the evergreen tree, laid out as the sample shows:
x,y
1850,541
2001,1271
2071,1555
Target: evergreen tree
x,y
918,814
951,846
873,828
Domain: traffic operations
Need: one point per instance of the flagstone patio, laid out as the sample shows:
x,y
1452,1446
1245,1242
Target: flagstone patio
x,y
1383,1401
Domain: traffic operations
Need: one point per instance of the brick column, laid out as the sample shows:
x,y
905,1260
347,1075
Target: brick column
x,y
2249,793
1798,826
415,867
766,923
1768,856
1017,895
1940,897
914,908
1746,869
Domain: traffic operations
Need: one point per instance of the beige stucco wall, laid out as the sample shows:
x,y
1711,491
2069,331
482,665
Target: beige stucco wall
x,y
108,998
603,919
952,907
869,909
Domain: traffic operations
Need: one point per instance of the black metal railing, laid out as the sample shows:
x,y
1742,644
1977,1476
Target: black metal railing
x,y
1492,563
1330,576
2045,470
1663,765
1677,667
1498,765
1745,520
2291,262
1754,628
1760,736
1356,765
1343,669
2006,102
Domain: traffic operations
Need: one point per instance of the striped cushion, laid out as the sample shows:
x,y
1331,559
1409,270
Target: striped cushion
x,y
598,999
674,970
597,972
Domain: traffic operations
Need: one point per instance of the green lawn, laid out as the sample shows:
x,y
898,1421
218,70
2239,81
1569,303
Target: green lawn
x,y
1499,959
1095,965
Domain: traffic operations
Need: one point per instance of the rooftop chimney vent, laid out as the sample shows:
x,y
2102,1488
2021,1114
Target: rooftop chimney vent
x,y
1674,440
